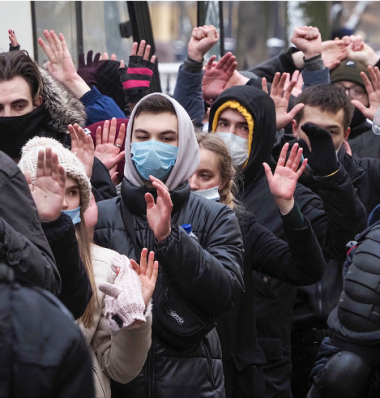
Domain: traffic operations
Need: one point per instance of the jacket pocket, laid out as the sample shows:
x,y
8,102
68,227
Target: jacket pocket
x,y
246,357
271,347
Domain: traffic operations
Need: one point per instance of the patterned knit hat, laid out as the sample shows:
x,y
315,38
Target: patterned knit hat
x,y
72,165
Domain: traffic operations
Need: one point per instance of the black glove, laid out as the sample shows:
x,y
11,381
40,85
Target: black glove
x,y
89,72
322,158
136,80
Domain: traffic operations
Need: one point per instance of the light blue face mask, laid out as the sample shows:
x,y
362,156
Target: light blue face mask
x,y
210,194
74,215
153,158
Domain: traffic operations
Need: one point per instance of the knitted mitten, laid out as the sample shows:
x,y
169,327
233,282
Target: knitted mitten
x,y
124,298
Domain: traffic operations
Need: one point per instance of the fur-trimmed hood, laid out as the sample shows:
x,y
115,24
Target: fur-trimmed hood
x,y
63,107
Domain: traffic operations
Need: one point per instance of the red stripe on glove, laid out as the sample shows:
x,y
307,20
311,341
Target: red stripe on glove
x,y
140,71
135,83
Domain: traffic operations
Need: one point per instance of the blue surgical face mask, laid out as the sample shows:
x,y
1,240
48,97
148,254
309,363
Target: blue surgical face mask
x,y
74,215
211,194
153,158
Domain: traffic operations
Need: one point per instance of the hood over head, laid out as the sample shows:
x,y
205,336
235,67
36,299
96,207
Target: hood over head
x,y
188,157
261,121
62,106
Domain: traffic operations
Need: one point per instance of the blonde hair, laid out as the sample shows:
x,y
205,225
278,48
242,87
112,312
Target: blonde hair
x,y
84,245
217,146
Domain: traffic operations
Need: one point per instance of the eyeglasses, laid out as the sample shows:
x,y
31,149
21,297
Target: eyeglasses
x,y
353,92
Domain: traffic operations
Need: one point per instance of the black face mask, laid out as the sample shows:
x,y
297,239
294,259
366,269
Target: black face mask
x,y
16,131
357,119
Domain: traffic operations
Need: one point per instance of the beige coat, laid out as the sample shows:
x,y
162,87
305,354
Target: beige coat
x,y
120,358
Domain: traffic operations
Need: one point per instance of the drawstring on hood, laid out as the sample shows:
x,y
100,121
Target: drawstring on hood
x,y
259,110
188,157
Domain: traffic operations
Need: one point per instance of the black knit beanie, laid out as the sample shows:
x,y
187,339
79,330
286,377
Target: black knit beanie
x,y
108,83
350,71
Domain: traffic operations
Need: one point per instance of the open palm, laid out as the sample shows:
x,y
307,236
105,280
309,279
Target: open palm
x,y
217,75
48,190
147,274
159,213
284,180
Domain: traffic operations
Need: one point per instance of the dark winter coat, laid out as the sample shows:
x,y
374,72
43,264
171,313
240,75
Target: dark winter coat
x,y
315,302
365,177
43,353
23,238
331,220
242,355
363,142
76,288
206,273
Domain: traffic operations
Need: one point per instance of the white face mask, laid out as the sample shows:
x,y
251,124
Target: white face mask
x,y
237,146
210,194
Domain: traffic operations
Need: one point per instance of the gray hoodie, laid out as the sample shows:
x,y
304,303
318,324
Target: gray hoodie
x,y
188,157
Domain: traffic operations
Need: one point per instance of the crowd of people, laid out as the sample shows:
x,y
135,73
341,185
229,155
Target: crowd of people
x,y
251,201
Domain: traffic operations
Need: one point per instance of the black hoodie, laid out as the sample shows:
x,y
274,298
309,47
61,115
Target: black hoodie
x,y
331,222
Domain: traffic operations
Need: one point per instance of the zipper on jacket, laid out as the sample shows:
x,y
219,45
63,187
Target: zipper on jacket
x,y
149,369
209,361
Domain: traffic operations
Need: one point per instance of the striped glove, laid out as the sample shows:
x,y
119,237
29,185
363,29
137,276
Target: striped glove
x,y
136,79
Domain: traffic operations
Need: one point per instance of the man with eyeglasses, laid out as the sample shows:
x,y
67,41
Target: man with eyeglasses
x,y
363,143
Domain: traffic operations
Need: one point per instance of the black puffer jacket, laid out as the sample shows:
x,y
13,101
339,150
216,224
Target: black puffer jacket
x,y
43,352
363,142
29,253
207,274
365,177
331,220
242,356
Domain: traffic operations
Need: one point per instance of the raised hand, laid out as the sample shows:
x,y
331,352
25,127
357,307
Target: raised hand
x,y
147,273
89,71
136,79
333,51
297,77
284,180
14,44
373,90
105,57
308,40
217,75
320,151
357,50
159,213
60,63
281,100
82,147
108,149
203,39
48,190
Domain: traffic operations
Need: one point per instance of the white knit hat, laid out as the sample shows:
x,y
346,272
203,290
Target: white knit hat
x,y
72,165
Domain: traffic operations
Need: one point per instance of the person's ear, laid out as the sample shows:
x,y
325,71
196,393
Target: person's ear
x,y
347,133
38,101
294,129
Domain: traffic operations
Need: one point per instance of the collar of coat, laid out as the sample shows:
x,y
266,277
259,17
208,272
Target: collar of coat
x,y
63,108
133,197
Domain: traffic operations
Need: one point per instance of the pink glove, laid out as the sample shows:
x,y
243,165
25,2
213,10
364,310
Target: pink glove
x,y
124,298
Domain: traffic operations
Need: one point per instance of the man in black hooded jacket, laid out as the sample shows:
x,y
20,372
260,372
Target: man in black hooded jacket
x,y
331,219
